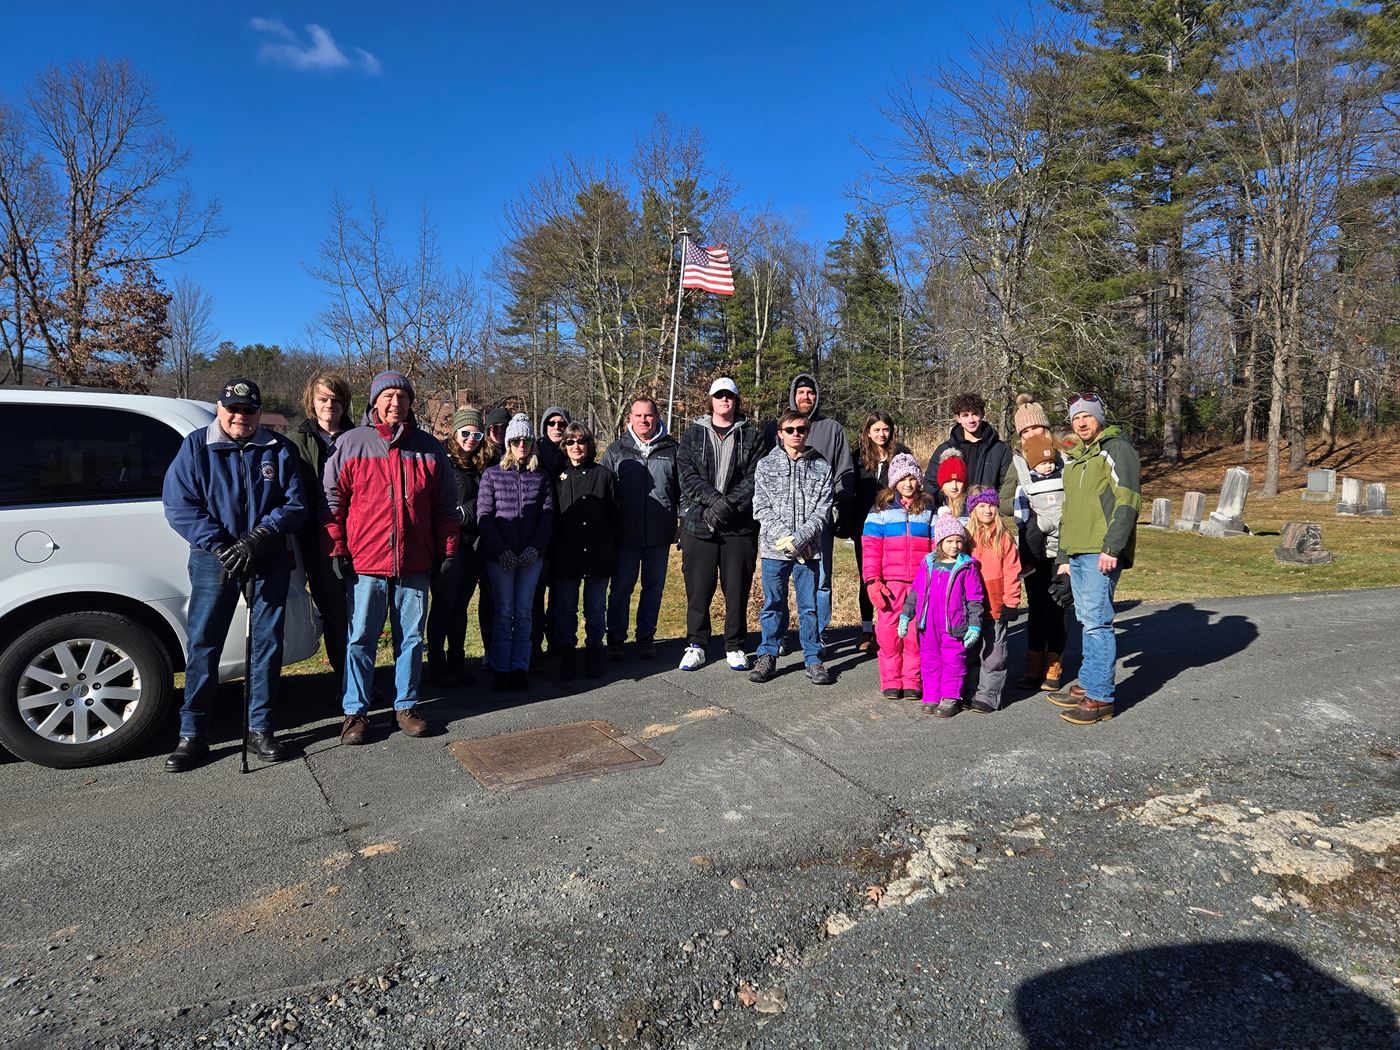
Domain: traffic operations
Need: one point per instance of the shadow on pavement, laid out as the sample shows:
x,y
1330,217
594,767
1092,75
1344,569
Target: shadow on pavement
x,y
1159,646
1228,994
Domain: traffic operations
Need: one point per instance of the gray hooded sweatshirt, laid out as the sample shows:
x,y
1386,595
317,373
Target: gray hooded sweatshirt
x,y
825,435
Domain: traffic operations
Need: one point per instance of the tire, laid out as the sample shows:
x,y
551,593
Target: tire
x,y
51,709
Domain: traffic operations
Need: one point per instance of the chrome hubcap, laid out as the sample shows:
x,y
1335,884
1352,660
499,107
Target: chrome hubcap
x,y
78,691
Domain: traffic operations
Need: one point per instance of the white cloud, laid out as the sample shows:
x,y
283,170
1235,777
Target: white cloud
x,y
318,52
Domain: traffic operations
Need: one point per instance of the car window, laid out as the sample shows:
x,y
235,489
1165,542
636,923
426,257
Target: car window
x,y
82,454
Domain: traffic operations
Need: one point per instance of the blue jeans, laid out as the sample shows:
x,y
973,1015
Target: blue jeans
x,y
652,561
212,602
1093,606
563,608
824,583
404,600
773,619
513,591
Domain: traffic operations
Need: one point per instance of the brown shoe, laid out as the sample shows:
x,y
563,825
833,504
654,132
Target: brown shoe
x,y
354,729
1087,712
410,722
866,643
1054,673
1067,698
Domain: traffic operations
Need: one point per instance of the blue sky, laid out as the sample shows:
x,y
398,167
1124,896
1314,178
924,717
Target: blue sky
x,y
459,105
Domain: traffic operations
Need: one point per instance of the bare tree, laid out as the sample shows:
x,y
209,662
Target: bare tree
x,y
192,334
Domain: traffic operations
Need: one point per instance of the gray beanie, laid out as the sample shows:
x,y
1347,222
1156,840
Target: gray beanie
x,y
519,427
389,380
1091,404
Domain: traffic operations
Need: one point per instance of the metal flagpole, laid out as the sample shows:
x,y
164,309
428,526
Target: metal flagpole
x,y
676,339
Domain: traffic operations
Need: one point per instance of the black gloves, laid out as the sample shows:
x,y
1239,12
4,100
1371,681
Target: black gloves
x,y
1060,591
342,566
1009,614
238,557
443,566
718,512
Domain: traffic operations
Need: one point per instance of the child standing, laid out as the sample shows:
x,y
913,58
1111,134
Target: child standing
x,y
945,604
1000,564
952,484
898,533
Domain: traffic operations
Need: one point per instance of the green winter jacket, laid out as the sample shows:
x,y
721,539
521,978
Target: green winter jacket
x,y
1103,494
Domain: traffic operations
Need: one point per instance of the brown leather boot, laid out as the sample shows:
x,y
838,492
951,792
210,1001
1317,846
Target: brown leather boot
x,y
1035,671
410,722
1054,673
353,730
1087,712
1067,698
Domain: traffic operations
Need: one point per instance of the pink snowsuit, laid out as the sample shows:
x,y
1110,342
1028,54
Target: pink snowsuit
x,y
944,601
893,542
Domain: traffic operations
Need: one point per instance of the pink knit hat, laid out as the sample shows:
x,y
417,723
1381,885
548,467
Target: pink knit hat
x,y
902,466
945,525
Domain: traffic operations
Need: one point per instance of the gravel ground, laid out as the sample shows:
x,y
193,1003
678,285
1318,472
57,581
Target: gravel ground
x,y
1216,867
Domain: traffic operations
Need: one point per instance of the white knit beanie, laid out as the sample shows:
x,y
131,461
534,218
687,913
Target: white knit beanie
x,y
519,428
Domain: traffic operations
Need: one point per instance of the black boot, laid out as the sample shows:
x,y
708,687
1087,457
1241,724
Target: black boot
x,y
457,665
593,661
264,746
568,664
519,681
500,682
188,753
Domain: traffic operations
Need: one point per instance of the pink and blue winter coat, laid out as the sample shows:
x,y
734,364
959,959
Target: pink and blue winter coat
x,y
894,542
948,601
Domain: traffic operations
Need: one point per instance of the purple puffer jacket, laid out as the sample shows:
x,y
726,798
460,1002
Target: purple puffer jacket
x,y
948,602
514,510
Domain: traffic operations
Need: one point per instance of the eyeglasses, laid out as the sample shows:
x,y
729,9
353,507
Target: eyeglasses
x,y
793,430
522,441
1089,396
723,395
556,424
575,441
470,435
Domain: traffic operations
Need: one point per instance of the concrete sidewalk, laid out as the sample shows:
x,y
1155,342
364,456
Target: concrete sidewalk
x,y
591,912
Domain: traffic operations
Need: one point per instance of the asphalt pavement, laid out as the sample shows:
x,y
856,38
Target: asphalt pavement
x,y
1217,866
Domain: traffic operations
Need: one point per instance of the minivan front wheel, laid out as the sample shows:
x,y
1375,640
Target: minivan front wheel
x,y
82,688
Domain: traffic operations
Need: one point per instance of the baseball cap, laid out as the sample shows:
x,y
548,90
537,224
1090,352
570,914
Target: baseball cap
x,y
723,385
240,391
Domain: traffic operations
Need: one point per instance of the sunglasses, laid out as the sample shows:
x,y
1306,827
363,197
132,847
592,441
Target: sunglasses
x,y
575,441
556,424
723,395
1090,396
470,435
522,441
794,430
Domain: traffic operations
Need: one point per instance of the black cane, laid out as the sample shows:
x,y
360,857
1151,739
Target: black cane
x,y
247,663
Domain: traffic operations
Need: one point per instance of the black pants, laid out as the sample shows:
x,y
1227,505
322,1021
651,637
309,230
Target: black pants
x,y
867,610
332,602
447,615
732,560
1045,621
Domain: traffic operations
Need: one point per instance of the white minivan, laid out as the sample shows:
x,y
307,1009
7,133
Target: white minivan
x,y
94,585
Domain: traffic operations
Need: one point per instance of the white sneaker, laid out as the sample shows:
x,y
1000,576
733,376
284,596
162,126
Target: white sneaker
x,y
693,659
738,660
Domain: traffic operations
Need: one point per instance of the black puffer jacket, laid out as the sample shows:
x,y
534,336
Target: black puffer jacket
x,y
468,481
585,524
988,458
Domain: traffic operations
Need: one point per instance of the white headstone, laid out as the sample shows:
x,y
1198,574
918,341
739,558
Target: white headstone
x,y
1193,509
1376,505
1161,514
1227,519
1322,486
1353,497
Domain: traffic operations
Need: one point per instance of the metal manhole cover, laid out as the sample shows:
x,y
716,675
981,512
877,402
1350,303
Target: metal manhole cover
x,y
551,755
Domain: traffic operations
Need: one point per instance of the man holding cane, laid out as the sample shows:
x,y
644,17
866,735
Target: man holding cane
x,y
233,492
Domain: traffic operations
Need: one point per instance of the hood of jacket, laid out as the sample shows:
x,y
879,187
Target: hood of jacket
x,y
709,424
646,448
1082,450
985,433
552,410
805,379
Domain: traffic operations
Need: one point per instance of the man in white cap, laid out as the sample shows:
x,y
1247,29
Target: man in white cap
x,y
1098,535
717,458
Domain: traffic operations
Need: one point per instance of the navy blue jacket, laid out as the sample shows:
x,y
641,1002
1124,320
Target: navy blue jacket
x,y
217,490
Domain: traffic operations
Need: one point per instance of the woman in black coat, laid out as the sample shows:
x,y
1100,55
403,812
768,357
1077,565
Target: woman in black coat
x,y
582,552
876,448
452,591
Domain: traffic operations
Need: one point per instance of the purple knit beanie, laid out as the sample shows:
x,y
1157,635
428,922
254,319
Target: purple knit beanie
x,y
945,525
389,381
902,466
983,496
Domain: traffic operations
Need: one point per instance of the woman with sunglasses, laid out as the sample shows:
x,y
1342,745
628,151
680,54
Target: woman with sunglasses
x,y
452,591
515,516
582,553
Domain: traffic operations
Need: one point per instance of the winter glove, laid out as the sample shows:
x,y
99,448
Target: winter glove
x,y
1009,614
257,541
786,545
528,557
443,566
508,559
903,626
234,558
1060,591
713,517
887,594
342,567
970,638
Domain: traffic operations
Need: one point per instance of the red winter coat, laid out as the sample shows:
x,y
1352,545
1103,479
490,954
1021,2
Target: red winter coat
x,y
392,500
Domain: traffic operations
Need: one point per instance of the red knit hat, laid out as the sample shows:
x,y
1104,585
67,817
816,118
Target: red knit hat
x,y
951,466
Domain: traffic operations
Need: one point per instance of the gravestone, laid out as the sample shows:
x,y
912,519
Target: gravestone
x,y
1322,486
1193,509
1161,514
1353,497
1376,505
1227,519
1301,544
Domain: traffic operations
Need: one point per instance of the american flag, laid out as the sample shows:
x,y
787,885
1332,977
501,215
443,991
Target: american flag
x,y
707,268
